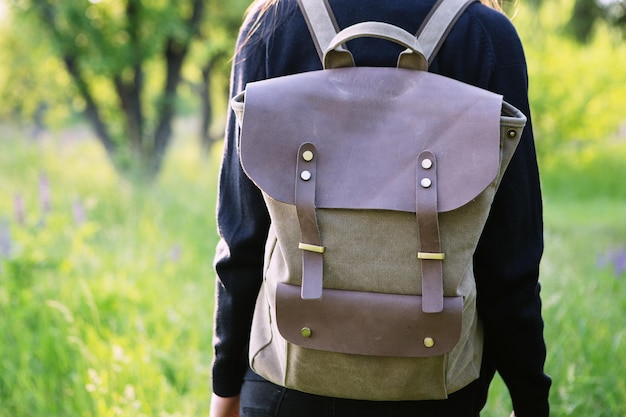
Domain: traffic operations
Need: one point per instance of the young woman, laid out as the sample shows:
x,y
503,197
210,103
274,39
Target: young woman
x,y
483,49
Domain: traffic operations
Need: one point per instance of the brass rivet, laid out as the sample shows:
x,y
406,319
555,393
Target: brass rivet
x,y
511,133
307,156
305,175
427,164
306,332
429,342
426,182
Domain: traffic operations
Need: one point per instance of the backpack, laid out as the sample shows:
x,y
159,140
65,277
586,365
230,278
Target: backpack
x,y
378,183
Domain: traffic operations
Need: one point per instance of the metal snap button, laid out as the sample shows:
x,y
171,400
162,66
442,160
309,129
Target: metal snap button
x,y
307,156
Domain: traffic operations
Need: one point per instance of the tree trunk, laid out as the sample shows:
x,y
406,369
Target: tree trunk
x,y
91,108
129,90
174,56
147,148
175,53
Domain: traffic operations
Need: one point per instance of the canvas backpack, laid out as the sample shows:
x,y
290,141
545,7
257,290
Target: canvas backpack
x,y
378,182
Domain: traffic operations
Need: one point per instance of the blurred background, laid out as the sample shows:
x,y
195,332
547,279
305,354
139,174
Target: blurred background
x,y
111,121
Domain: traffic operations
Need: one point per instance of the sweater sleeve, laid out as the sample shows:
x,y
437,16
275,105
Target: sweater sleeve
x,y
507,259
242,222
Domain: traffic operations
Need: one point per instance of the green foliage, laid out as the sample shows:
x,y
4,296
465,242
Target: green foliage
x,y
126,61
584,17
586,173
576,91
34,86
105,288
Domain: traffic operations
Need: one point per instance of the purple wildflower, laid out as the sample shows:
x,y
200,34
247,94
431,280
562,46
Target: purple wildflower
x,y
619,262
45,196
615,258
78,211
174,254
18,206
5,240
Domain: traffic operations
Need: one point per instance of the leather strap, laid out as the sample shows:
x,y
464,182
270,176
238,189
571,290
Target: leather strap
x,y
411,58
430,256
323,26
438,24
431,35
310,240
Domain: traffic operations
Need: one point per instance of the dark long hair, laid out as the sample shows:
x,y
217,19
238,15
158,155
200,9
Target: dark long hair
x,y
254,16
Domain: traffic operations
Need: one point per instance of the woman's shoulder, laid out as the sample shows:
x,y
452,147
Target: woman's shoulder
x,y
493,21
489,33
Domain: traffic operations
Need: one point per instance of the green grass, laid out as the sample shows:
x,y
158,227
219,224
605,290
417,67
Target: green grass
x,y
585,299
110,313
584,304
583,278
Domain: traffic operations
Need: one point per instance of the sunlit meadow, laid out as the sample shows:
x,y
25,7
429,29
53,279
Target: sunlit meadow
x,y
106,287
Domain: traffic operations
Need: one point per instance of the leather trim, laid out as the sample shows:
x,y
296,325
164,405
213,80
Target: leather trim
x,y
411,58
323,26
312,261
438,24
428,227
365,163
432,33
365,323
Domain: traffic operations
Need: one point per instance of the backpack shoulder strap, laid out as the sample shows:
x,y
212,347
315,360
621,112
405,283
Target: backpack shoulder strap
x,y
438,24
321,21
433,31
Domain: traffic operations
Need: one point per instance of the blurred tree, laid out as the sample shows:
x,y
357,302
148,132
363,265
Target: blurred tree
x,y
586,14
126,61
33,83
221,27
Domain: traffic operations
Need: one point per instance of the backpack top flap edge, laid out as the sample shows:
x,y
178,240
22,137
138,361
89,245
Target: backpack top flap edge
x,y
368,126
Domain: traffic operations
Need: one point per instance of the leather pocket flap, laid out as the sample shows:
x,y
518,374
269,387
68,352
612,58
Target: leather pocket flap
x,y
365,323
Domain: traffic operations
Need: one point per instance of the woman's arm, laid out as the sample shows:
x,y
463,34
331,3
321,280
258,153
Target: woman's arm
x,y
507,261
224,406
242,222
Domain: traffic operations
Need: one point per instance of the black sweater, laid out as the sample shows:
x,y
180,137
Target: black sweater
x,y
484,50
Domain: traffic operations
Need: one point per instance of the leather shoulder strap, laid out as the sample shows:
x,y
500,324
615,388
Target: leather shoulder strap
x,y
433,31
438,25
321,21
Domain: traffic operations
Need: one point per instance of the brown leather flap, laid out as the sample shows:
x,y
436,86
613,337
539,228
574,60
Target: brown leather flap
x,y
365,323
368,126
